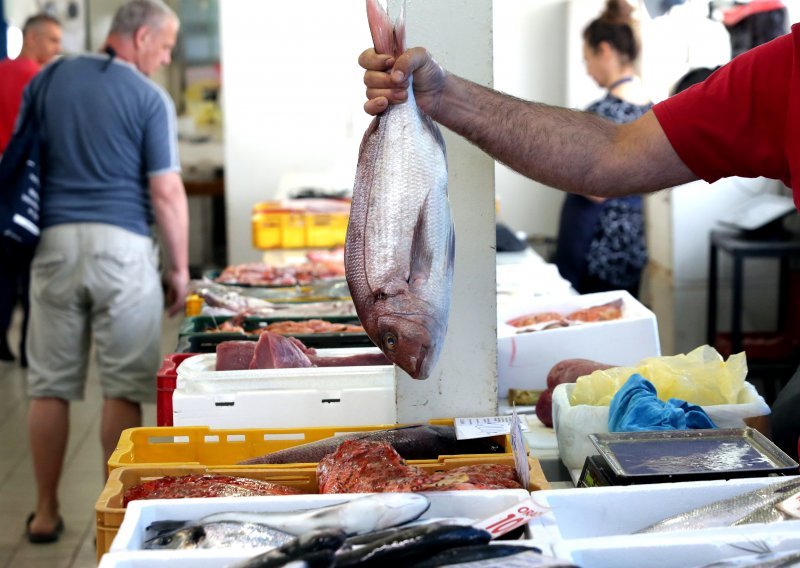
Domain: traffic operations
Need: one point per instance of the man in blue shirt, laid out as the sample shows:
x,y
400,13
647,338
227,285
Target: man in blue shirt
x,y
112,174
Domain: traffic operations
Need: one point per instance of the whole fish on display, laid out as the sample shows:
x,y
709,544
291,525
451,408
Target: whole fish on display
x,y
232,531
314,549
251,530
412,442
487,556
411,545
756,506
400,244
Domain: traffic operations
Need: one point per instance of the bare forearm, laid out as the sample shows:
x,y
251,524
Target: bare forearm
x,y
568,149
172,217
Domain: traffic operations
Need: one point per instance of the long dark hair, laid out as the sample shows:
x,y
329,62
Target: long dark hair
x,y
616,27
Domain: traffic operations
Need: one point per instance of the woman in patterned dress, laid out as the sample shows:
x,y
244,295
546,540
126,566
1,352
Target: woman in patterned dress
x,y
601,243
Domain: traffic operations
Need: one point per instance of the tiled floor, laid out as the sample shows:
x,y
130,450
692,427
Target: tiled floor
x,y
82,479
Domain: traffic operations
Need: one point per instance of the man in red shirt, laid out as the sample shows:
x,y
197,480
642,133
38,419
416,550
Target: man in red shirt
x,y
744,120
739,122
41,42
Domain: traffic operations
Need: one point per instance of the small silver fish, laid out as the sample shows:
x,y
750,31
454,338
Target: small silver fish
x,y
751,507
400,245
220,534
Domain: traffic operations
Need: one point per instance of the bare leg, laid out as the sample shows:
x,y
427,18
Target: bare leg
x,y
118,415
48,427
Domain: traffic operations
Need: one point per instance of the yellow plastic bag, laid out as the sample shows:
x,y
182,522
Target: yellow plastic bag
x,y
699,377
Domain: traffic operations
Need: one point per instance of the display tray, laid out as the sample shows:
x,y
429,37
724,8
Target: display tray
x,y
215,273
687,455
195,337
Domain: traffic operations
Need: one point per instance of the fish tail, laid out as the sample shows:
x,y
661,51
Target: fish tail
x,y
380,27
388,38
400,31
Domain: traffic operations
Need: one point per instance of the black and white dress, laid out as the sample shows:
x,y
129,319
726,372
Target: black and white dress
x,y
601,246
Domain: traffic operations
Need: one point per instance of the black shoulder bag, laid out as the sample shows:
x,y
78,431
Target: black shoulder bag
x,y
21,174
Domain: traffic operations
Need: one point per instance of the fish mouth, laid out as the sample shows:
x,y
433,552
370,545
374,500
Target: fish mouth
x,y
418,364
411,338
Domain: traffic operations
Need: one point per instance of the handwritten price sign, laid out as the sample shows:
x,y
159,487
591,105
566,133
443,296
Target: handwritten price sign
x,y
511,518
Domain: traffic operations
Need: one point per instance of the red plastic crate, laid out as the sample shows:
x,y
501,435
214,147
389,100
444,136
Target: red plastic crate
x,y
165,385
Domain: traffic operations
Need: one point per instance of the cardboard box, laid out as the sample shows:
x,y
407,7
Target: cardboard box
x,y
288,398
471,504
595,526
524,359
573,424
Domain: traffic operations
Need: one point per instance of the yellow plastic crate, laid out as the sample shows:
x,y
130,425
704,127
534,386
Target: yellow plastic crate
x,y
200,445
325,230
277,225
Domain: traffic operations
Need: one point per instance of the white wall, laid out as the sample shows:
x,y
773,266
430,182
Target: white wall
x,y
530,62
293,97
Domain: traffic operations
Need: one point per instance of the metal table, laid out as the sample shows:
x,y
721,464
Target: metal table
x,y
741,247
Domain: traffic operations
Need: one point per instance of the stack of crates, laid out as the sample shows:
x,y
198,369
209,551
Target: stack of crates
x,y
300,223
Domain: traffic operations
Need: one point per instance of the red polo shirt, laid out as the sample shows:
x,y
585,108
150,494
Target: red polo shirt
x,y
744,120
14,75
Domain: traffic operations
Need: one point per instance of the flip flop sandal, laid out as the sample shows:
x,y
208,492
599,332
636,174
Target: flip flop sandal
x,y
43,538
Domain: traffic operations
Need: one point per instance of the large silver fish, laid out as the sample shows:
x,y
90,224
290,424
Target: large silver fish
x,y
757,506
400,241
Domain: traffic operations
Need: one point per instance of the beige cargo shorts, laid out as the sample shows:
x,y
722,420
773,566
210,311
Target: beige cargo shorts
x,y
94,284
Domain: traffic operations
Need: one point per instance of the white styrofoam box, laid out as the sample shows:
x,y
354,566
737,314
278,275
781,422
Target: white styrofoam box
x,y
284,398
474,504
679,551
604,512
524,359
219,558
529,280
594,526
197,374
175,558
573,424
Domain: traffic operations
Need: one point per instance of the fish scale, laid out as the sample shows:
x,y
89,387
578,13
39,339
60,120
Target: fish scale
x,y
399,250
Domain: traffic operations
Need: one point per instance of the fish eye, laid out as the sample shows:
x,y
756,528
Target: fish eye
x,y
390,341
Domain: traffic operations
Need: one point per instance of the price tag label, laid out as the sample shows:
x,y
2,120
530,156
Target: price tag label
x,y
791,506
509,519
483,427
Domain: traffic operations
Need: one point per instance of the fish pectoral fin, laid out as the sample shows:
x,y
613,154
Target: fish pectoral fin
x,y
421,252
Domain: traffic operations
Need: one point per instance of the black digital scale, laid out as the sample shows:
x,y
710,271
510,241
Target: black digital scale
x,y
629,458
